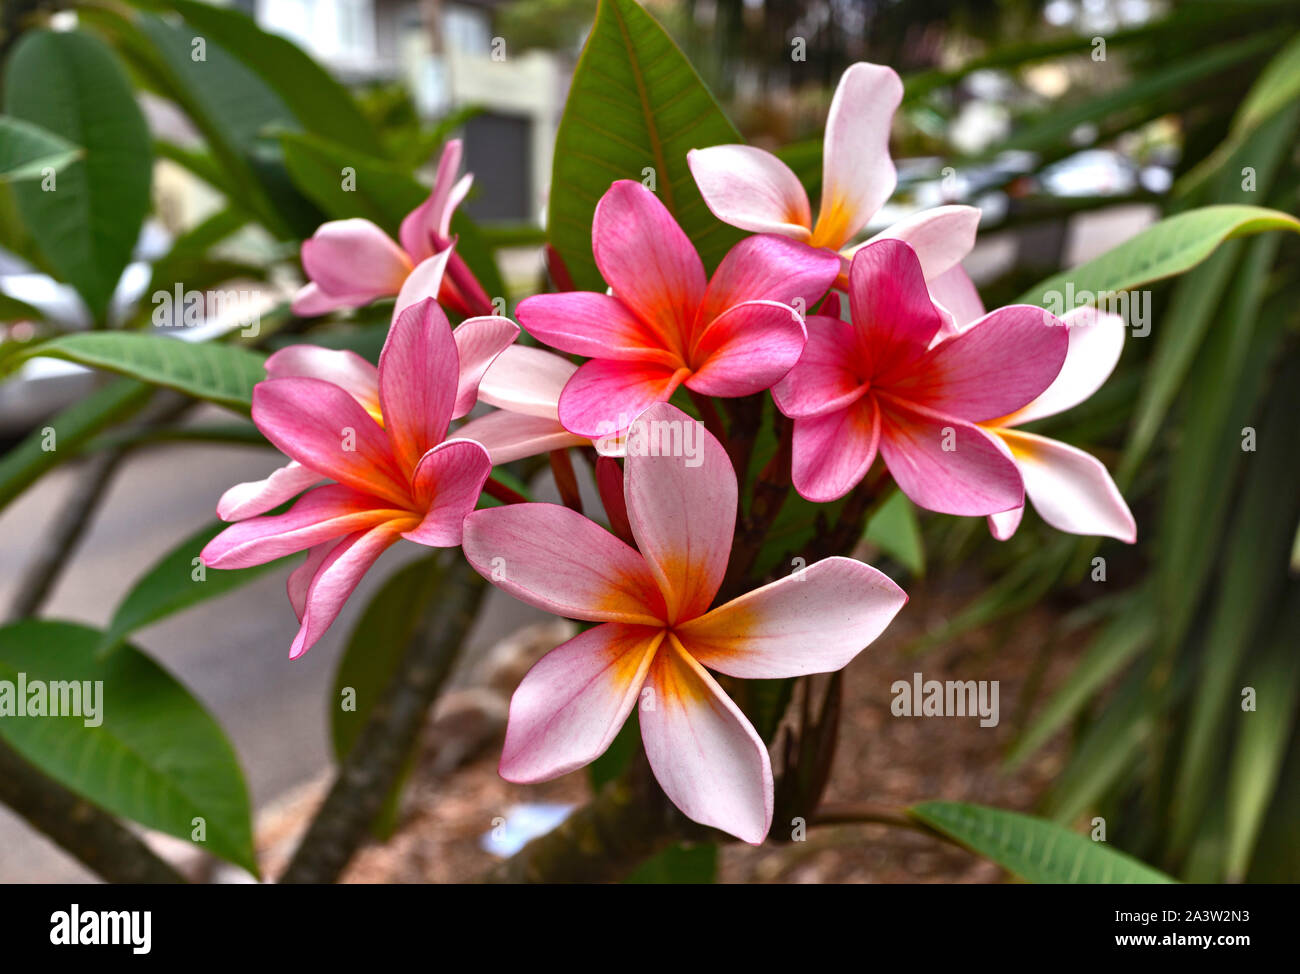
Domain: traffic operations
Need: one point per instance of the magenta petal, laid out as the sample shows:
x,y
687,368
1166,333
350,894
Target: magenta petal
x,y
594,325
603,397
354,257
823,380
259,496
335,580
429,222
478,342
299,583
946,465
447,484
833,451
891,308
573,701
954,292
512,436
418,374
347,370
746,349
769,268
425,281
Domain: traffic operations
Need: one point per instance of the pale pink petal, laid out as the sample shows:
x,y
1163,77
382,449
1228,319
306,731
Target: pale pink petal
x,y
354,257
746,349
425,281
346,369
319,515
527,380
604,396
646,258
594,325
324,428
751,189
814,621
858,175
1096,339
336,579
447,484
832,452
299,583
418,373
954,293
478,342
1004,524
259,496
770,269
573,701
941,236
681,502
424,226
944,464
1070,489
891,309
704,753
823,380
998,364
557,560
310,301
511,436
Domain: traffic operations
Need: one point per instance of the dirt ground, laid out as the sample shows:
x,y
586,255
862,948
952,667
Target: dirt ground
x,y
881,758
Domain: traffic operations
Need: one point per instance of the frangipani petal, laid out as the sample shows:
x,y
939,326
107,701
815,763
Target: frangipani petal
x,y
648,260
574,700
1096,339
335,580
1070,489
946,465
430,222
324,428
769,268
594,325
891,308
751,189
858,175
822,381
259,496
310,301
447,483
704,753
478,342
346,369
354,257
747,349
423,282
557,560
814,621
419,369
527,380
941,236
1004,524
605,395
833,451
681,503
511,436
954,292
300,578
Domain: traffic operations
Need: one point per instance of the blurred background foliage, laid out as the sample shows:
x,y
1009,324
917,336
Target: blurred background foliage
x,y
1008,105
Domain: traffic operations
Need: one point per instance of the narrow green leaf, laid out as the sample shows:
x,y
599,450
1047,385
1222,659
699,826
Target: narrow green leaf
x,y
151,752
70,83
223,374
175,582
635,106
1034,849
28,151
897,532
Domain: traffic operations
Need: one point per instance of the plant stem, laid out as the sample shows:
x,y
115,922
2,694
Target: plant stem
x,y
566,481
494,488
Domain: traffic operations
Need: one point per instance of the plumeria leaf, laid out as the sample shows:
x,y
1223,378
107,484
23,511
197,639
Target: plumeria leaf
x,y
223,374
28,151
896,531
636,107
681,863
150,753
71,84
1034,849
175,582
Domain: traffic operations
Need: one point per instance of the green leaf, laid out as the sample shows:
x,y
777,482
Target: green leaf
x,y
25,463
616,758
1034,849
635,104
71,84
1171,247
154,756
896,531
27,150
170,586
680,863
223,374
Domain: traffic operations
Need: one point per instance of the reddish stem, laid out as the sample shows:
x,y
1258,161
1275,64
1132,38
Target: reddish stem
x,y
506,495
566,480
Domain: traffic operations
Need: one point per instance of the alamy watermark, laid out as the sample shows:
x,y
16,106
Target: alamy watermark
x,y
946,698
53,698
180,308
1133,306
653,438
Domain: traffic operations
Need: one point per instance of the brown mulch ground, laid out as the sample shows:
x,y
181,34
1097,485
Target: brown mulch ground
x,y
881,759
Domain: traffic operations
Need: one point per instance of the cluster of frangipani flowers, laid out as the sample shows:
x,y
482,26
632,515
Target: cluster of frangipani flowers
x,y
896,361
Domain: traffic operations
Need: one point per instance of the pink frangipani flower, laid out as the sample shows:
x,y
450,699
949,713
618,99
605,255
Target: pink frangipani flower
x,y
380,436
353,262
750,188
666,324
657,634
1070,489
883,384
